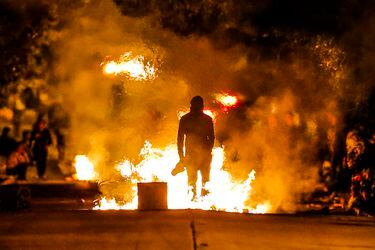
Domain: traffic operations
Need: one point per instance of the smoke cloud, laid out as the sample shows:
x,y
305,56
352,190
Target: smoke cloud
x,y
291,85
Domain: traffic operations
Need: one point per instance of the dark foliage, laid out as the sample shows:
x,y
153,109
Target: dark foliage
x,y
23,43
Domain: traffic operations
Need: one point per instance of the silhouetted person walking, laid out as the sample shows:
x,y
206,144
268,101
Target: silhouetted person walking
x,y
196,135
41,139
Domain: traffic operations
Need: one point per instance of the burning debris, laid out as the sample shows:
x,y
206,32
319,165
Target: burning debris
x,y
227,101
133,67
84,168
225,193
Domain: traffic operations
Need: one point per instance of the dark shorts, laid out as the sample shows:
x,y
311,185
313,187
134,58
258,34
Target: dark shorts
x,y
201,162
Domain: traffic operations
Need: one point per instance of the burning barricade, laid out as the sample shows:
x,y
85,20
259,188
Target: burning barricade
x,y
225,193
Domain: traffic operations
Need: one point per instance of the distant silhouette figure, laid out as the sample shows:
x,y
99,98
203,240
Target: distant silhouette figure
x,y
7,143
41,139
196,135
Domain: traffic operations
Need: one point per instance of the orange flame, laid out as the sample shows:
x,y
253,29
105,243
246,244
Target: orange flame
x,y
133,67
224,193
84,168
227,101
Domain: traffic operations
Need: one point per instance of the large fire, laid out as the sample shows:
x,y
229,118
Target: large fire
x,y
134,67
225,193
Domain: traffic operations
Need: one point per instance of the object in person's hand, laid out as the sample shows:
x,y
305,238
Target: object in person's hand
x,y
178,168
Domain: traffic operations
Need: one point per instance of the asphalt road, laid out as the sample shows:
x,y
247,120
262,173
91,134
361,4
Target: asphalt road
x,y
183,229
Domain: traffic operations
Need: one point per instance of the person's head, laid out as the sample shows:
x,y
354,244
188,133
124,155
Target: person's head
x,y
196,103
26,135
5,132
42,124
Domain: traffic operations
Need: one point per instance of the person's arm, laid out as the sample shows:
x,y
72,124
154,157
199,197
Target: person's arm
x,y
26,157
211,135
181,139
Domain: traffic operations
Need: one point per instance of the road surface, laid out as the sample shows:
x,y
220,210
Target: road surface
x,y
181,229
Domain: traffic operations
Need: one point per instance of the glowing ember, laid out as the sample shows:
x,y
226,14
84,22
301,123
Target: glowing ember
x,y
227,101
224,193
84,168
134,67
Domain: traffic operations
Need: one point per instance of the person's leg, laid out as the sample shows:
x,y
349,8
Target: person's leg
x,y
21,171
43,165
205,171
39,167
192,177
205,168
37,158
